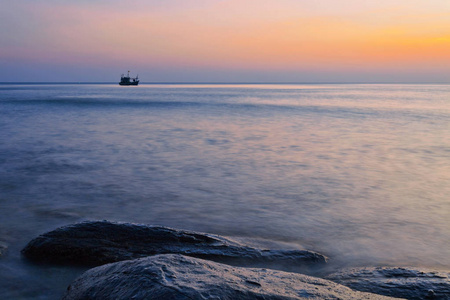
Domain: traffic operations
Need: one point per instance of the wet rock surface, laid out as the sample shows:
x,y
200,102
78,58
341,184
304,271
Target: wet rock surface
x,y
178,277
409,283
100,242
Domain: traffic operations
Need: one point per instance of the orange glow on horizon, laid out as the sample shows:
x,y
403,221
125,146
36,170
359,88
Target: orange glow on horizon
x,y
257,41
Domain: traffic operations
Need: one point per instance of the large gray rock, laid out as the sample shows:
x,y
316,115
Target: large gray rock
x,y
101,242
410,283
178,277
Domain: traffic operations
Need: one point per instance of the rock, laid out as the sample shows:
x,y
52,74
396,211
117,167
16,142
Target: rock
x,y
179,277
3,248
100,242
409,283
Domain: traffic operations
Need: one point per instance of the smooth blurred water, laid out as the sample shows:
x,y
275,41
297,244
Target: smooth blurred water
x,y
360,173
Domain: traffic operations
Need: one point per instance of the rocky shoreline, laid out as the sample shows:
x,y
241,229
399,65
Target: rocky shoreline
x,y
132,261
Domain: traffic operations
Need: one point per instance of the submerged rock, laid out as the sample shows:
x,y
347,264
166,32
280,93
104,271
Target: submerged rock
x,y
101,242
178,277
3,248
409,283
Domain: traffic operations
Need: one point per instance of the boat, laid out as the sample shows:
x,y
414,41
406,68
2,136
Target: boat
x,y
127,80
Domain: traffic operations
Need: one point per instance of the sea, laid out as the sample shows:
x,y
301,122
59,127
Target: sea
x,y
357,172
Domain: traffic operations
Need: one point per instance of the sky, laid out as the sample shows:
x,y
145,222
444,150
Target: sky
x,y
225,40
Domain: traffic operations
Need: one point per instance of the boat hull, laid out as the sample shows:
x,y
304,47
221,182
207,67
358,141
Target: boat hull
x,y
129,83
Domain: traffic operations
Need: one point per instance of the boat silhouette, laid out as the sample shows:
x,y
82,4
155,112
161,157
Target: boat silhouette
x,y
127,80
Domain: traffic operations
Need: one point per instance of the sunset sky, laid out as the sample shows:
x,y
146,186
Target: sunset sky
x,y
226,40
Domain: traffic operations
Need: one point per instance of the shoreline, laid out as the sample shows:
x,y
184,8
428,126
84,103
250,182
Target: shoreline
x,y
109,244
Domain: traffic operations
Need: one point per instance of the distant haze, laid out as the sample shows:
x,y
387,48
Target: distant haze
x,y
226,40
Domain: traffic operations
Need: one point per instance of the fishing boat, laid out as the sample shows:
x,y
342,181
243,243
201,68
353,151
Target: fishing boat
x,y
127,80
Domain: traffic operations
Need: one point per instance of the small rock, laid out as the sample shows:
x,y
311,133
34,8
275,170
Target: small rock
x,y
410,283
3,248
178,277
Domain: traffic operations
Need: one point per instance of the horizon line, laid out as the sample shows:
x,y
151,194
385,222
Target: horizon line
x,y
221,82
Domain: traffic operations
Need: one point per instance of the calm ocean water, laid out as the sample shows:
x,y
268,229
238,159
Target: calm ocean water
x,y
360,173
